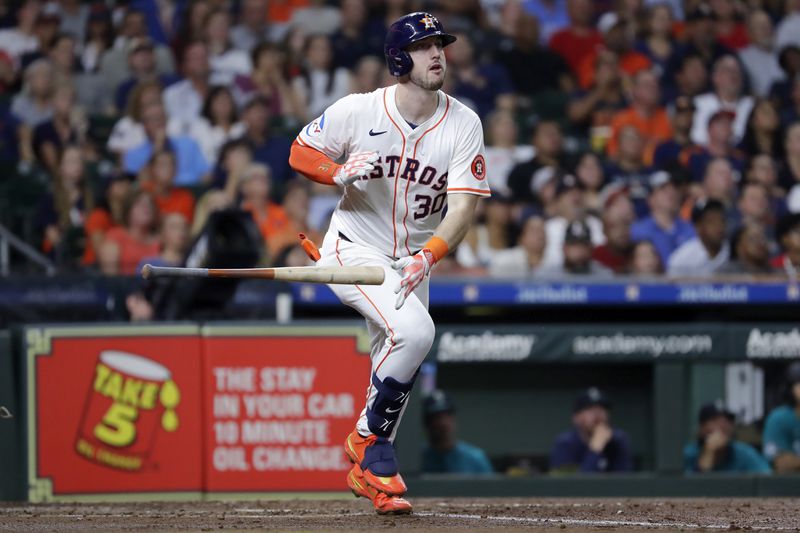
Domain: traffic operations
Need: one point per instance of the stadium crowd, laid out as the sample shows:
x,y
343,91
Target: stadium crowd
x,y
627,137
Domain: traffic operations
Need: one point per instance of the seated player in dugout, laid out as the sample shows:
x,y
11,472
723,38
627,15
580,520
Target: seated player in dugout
x,y
592,445
445,454
407,151
716,449
782,428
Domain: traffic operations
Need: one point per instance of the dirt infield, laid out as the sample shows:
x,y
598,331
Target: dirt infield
x,y
429,515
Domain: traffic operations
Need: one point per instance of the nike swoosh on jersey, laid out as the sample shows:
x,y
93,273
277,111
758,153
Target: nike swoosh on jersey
x,y
390,411
374,133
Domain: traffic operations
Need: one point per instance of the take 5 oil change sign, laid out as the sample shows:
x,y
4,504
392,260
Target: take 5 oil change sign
x,y
114,410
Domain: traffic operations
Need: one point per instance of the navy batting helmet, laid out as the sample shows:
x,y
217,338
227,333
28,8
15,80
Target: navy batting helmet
x,y
405,31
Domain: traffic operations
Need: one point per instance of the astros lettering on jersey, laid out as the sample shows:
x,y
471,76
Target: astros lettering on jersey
x,y
397,207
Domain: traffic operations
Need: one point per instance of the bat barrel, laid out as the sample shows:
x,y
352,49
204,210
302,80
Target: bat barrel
x,y
150,271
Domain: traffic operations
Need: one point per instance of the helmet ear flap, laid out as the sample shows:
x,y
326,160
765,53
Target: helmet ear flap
x,y
399,61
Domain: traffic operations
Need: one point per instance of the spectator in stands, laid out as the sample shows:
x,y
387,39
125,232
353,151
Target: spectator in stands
x,y
533,68
568,206
235,156
98,39
68,125
668,153
662,227
551,15
728,26
62,212
158,178
192,166
128,132
645,260
764,171
701,40
142,67
252,28
114,64
691,78
617,216
445,454
271,219
719,145
358,36
630,169
226,62
483,87
317,18
62,55
297,204
269,80
591,111
549,159
592,445
320,82
174,238
787,233
590,172
716,449
658,43
645,114
524,259
21,39
137,239
790,113
782,427
762,133
789,61
789,174
211,202
788,32
576,252
749,251
369,74
45,29
217,124
489,234
727,94
184,99
576,41
759,57
74,17
107,214
719,183
617,38
753,207
269,149
34,104
703,255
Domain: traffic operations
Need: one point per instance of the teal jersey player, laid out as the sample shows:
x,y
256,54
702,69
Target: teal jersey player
x,y
782,433
739,458
462,459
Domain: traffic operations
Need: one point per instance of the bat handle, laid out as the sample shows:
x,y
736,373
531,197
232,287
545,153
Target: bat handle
x,y
149,271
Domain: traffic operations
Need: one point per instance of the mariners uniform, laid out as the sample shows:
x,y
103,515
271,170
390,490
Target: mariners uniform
x,y
388,214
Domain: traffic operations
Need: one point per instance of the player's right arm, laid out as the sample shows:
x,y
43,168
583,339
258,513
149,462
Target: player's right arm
x,y
326,139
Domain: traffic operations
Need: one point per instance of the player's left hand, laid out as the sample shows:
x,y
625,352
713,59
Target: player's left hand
x,y
413,270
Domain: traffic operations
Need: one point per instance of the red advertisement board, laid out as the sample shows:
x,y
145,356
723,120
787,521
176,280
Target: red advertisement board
x,y
114,412
278,409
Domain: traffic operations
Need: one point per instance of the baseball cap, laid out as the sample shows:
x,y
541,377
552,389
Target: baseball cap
x,y
701,12
713,410
658,179
701,207
721,113
567,182
589,398
50,12
542,177
577,232
608,22
139,43
436,403
612,192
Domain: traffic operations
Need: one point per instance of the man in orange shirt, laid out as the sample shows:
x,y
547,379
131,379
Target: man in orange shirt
x,y
645,113
159,181
580,39
271,219
617,37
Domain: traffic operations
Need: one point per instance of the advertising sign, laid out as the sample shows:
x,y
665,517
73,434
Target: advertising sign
x,y
113,410
279,404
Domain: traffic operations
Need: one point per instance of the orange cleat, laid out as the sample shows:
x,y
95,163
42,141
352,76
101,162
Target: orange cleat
x,y
355,447
384,504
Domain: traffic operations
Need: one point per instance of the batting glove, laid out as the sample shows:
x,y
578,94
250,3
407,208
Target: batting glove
x,y
413,270
357,165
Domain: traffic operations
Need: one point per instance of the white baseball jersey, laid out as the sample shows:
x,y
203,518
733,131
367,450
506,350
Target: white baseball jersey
x,y
397,207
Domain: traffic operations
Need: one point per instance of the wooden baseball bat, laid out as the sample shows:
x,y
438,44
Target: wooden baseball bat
x,y
343,275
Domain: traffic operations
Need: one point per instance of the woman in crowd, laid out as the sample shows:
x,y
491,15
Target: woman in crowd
x,y
489,234
137,239
658,43
62,212
645,261
589,171
320,83
270,79
107,214
128,132
67,126
503,152
270,217
99,37
763,132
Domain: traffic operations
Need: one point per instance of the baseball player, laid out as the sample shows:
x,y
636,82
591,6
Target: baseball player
x,y
406,152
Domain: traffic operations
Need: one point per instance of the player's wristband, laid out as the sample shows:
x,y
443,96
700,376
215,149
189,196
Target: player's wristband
x,y
438,248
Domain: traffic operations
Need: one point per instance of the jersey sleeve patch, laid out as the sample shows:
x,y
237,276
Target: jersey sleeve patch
x,y
479,167
314,129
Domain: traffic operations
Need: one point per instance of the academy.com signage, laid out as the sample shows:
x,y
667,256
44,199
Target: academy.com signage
x,y
486,346
780,344
653,345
